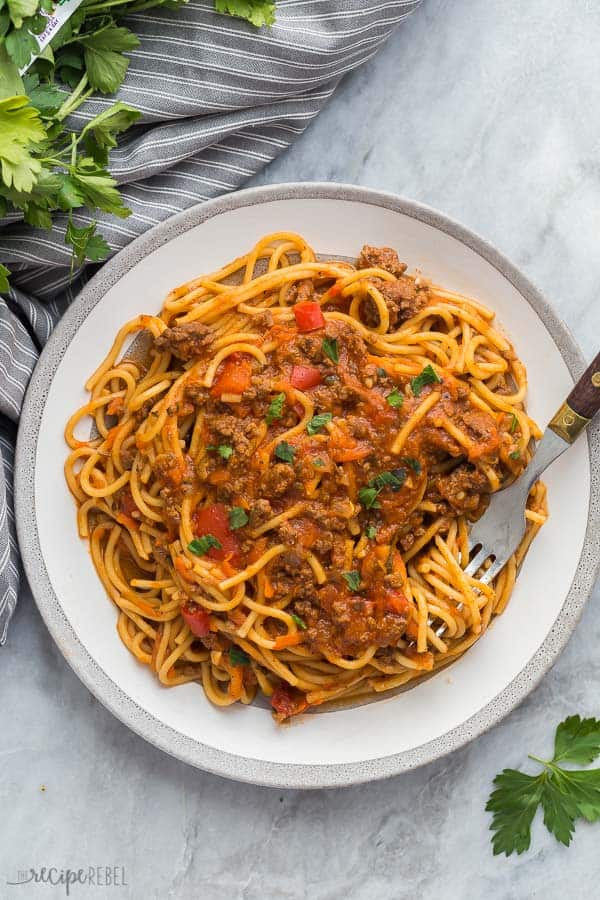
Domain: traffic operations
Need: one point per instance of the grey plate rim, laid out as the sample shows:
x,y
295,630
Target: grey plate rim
x,y
110,694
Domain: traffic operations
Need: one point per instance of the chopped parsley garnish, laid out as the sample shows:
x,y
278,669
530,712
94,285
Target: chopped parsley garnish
x,y
394,480
330,349
318,462
381,372
285,452
299,622
368,497
201,546
237,657
427,376
318,422
514,422
371,532
516,454
395,399
275,410
238,517
352,579
412,463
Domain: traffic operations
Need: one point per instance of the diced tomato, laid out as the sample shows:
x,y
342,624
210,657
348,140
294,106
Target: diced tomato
x,y
304,377
309,316
287,701
196,618
233,376
396,602
214,519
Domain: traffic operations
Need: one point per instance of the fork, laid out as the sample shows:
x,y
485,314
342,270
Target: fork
x,y
499,531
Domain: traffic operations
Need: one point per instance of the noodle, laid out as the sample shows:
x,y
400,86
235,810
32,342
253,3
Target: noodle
x,y
277,497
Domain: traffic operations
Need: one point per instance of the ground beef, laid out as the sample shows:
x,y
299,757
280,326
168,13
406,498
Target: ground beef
x,y
381,258
185,341
483,430
303,290
127,456
241,434
196,393
279,479
260,512
402,298
167,469
348,624
176,483
462,487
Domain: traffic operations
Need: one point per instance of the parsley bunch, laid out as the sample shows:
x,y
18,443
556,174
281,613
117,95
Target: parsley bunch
x,y
565,795
46,167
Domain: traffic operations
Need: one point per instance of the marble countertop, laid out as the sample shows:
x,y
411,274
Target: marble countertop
x,y
489,112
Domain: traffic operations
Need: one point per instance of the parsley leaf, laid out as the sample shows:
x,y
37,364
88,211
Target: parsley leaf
x,y
257,12
564,795
395,399
105,64
4,285
514,804
427,376
201,546
368,497
577,740
318,422
20,46
514,422
20,9
318,462
20,130
237,657
102,129
224,450
275,410
86,243
352,579
299,622
99,189
330,349
412,463
285,451
516,454
238,517
371,532
394,479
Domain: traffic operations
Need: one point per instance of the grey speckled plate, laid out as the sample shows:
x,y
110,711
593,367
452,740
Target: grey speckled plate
x,y
349,745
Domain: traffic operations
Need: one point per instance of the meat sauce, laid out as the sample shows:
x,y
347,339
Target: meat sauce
x,y
340,472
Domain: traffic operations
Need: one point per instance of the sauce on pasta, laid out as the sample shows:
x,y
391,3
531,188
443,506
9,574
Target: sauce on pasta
x,y
278,495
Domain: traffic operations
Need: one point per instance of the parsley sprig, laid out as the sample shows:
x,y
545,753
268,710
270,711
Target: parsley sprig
x,y
565,795
45,167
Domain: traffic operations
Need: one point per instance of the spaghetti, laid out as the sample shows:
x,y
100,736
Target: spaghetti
x,y
277,492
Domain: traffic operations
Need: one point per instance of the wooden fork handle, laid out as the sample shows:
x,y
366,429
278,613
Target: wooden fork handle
x,y
584,399
581,405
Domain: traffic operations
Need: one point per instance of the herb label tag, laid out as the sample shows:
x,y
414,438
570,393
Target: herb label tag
x,y
62,12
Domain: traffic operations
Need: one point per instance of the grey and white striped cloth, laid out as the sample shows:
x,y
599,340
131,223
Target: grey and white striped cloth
x,y
220,100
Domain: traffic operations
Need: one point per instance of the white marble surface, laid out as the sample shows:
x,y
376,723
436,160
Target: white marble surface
x,y
490,112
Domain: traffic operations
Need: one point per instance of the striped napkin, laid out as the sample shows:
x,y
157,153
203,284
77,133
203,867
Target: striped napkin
x,y
219,100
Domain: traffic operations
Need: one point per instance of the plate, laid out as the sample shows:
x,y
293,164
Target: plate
x,y
347,745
